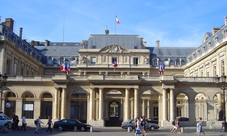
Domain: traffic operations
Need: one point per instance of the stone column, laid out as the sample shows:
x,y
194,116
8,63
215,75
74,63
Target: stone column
x,y
121,111
143,107
131,113
136,103
18,107
100,103
63,104
148,109
37,107
164,110
106,116
172,105
126,109
91,114
55,104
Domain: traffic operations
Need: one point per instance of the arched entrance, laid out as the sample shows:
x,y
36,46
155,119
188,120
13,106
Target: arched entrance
x,y
46,105
10,104
114,111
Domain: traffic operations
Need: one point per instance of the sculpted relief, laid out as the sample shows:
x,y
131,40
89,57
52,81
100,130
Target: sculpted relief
x,y
114,49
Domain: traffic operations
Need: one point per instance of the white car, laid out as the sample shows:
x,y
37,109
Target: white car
x,y
5,120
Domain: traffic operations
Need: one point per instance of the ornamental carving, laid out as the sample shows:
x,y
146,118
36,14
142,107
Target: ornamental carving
x,y
114,49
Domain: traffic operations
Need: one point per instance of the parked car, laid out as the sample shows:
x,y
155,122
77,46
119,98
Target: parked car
x,y
183,118
71,124
131,125
5,120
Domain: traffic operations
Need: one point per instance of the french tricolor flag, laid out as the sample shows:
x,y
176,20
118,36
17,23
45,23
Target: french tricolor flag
x,y
161,69
117,21
114,63
65,67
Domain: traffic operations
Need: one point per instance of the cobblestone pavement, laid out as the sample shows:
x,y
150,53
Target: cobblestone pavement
x,y
113,131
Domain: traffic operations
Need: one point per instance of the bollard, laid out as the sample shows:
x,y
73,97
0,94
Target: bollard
x,y
182,129
129,129
75,128
91,129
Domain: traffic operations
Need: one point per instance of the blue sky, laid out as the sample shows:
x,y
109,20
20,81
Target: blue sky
x,y
176,23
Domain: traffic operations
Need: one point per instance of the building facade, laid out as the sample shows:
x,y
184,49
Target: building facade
x,y
99,93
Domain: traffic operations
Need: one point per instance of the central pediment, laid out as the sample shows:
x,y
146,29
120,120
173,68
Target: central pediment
x,y
114,49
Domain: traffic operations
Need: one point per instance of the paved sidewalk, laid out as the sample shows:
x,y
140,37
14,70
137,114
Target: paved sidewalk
x,y
113,131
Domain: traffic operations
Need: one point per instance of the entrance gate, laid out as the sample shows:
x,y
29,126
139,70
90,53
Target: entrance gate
x,y
114,113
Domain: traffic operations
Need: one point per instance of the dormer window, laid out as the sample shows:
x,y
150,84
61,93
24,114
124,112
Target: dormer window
x,y
135,47
49,60
93,46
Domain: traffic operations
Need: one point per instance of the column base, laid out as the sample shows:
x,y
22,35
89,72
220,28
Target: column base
x,y
166,123
96,123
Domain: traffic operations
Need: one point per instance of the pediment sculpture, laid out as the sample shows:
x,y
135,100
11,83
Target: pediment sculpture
x,y
114,49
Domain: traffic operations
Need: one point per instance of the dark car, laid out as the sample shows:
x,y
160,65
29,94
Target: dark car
x,y
130,124
183,118
71,124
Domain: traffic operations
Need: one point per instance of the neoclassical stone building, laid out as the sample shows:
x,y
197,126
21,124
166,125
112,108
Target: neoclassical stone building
x,y
99,94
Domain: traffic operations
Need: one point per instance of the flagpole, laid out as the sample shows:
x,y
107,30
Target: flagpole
x,y
63,36
115,24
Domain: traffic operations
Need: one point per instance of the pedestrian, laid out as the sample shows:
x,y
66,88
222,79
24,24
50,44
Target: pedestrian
x,y
14,119
49,123
200,127
145,125
38,125
24,124
176,128
16,122
138,126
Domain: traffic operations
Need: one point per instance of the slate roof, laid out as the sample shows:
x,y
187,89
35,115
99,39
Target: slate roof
x,y
128,41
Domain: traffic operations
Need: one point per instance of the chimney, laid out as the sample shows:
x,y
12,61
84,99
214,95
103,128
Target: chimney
x,y
141,39
47,43
9,22
214,30
33,43
145,44
157,43
21,30
225,20
107,31
36,43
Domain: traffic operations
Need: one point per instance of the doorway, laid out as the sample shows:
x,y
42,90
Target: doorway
x,y
114,113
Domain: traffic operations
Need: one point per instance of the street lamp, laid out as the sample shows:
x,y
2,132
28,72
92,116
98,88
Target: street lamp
x,y
222,86
3,80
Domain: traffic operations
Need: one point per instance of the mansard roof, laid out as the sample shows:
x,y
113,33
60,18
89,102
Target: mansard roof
x,y
128,41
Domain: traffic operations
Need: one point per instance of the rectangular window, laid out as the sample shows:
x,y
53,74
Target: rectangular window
x,y
93,60
214,71
178,111
135,61
15,69
21,71
7,67
155,112
201,73
222,67
207,72
114,60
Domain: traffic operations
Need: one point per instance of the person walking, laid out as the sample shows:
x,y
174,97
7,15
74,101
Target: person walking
x,y
49,123
38,125
200,127
138,126
145,125
16,122
24,124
